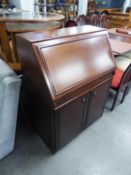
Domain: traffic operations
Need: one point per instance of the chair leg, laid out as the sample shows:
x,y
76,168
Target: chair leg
x,y
114,102
124,94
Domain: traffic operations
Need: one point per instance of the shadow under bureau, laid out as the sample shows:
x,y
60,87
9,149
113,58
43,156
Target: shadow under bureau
x,y
67,75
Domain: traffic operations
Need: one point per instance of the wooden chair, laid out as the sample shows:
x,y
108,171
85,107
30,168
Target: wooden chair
x,y
121,83
94,20
104,20
70,23
82,20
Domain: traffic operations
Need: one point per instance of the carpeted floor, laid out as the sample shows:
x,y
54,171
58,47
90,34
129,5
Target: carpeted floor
x,y
102,149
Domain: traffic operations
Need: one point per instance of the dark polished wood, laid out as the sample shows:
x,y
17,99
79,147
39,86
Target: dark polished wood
x,y
66,78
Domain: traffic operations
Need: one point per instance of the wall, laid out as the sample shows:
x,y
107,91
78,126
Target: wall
x,y
82,9
24,4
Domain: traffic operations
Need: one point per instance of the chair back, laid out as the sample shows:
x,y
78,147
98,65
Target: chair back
x,y
82,20
104,20
70,23
126,79
123,86
94,20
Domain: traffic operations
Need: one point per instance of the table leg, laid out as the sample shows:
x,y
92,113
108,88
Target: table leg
x,y
5,43
15,59
62,23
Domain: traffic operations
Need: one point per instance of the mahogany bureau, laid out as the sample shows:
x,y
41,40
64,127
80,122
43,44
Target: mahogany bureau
x,y
67,75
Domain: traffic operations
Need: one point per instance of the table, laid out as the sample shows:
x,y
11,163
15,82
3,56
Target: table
x,y
13,23
119,47
31,17
119,36
120,43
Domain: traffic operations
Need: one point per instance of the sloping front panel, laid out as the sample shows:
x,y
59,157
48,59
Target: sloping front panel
x,y
72,63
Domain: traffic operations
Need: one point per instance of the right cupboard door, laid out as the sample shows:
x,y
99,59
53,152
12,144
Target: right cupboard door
x,y
96,103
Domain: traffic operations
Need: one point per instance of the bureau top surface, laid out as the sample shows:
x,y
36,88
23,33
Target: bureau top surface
x,y
63,32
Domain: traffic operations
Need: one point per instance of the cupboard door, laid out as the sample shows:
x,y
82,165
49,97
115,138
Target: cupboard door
x,y
96,103
70,120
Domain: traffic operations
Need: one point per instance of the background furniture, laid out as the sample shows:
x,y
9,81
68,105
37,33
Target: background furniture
x,y
121,43
66,78
82,20
69,8
4,3
119,47
114,10
10,24
70,23
118,19
121,83
9,99
104,20
94,20
110,19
